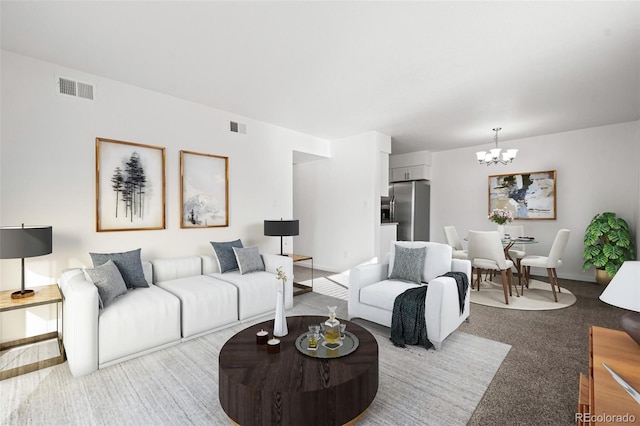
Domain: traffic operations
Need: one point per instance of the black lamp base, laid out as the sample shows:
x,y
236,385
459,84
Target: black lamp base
x,y
21,294
630,323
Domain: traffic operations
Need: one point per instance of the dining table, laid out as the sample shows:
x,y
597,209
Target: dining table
x,y
508,242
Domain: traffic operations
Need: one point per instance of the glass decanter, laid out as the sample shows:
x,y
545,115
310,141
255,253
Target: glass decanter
x,y
332,327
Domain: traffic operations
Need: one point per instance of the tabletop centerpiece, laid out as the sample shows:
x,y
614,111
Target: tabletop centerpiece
x,y
500,217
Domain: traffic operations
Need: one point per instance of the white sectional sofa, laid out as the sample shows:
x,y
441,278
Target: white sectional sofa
x,y
372,292
186,298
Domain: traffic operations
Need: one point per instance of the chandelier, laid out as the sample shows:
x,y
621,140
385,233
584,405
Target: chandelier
x,y
496,155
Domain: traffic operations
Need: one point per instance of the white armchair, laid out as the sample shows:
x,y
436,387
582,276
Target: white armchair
x,y
372,293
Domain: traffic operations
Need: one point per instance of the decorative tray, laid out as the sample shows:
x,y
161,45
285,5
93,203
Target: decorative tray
x,y
347,345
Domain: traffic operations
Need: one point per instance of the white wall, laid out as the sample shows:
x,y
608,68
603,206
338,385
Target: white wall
x,y
337,201
47,168
597,170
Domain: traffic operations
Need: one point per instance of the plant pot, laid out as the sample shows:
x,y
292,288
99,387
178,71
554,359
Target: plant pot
x,y
602,278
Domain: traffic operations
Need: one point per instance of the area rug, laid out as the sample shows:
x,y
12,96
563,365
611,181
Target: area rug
x,y
341,279
328,287
179,385
538,297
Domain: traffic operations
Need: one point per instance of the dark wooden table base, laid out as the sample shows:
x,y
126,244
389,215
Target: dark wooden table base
x,y
290,388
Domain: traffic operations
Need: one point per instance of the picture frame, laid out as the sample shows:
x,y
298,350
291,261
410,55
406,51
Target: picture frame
x,y
204,190
528,196
130,186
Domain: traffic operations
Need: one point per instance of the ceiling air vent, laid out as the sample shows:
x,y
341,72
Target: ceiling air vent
x,y
75,88
237,127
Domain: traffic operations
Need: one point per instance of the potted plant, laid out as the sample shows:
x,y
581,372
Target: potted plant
x,y
607,244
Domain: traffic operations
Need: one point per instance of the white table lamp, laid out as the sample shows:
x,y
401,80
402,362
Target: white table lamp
x,y
624,292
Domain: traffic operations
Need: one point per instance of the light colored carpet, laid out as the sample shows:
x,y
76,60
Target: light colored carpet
x,y
179,385
538,297
324,285
341,279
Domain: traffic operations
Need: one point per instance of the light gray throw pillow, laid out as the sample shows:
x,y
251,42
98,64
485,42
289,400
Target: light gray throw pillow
x,y
129,264
408,264
109,281
249,259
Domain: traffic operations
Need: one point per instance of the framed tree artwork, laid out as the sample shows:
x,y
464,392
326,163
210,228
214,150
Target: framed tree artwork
x,y
130,186
530,195
204,189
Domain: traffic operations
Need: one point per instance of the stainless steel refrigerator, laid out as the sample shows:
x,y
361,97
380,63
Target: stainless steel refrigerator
x,y
411,209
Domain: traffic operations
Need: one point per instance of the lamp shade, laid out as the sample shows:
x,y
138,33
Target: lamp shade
x,y
624,289
281,228
18,242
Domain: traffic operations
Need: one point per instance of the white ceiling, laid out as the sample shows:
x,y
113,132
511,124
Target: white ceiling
x,y
432,75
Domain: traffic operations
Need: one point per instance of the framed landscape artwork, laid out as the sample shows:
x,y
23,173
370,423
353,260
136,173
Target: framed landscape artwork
x,y
130,186
529,195
204,186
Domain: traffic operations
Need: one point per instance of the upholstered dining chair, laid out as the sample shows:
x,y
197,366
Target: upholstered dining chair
x,y
517,251
550,262
486,252
453,239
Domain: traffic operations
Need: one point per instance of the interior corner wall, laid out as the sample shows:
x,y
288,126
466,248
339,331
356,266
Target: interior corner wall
x,y
596,171
48,171
335,201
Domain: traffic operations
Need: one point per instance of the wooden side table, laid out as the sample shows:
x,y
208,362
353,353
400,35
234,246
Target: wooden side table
x,y
601,400
44,296
301,288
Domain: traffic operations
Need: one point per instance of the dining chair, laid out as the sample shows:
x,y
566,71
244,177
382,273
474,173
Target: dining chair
x,y
517,251
486,252
550,262
453,239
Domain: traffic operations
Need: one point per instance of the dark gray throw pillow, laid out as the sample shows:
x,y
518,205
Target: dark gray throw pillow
x,y
408,264
109,281
249,259
225,255
128,263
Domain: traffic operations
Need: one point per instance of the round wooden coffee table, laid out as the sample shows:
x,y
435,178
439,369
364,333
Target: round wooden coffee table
x,y
291,388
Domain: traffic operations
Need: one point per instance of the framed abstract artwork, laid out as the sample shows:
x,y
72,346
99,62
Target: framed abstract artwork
x,y
130,186
529,195
204,190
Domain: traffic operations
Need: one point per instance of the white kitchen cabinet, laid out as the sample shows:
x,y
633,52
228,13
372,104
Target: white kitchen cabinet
x,y
420,172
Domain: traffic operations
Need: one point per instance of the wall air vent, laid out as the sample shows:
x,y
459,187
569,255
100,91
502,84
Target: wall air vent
x,y
236,127
74,88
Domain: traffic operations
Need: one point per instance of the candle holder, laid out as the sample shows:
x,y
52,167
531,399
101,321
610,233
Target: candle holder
x,y
262,337
273,346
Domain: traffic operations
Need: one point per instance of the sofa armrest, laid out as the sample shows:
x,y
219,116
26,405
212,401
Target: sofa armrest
x,y
80,321
442,305
461,265
364,275
274,261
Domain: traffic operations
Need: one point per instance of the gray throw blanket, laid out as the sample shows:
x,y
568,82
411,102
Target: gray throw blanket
x,y
408,325
463,284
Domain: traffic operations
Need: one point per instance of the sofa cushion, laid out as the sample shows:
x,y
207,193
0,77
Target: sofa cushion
x,y
128,263
142,319
256,291
249,259
408,264
437,259
383,294
176,267
225,256
206,303
108,280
